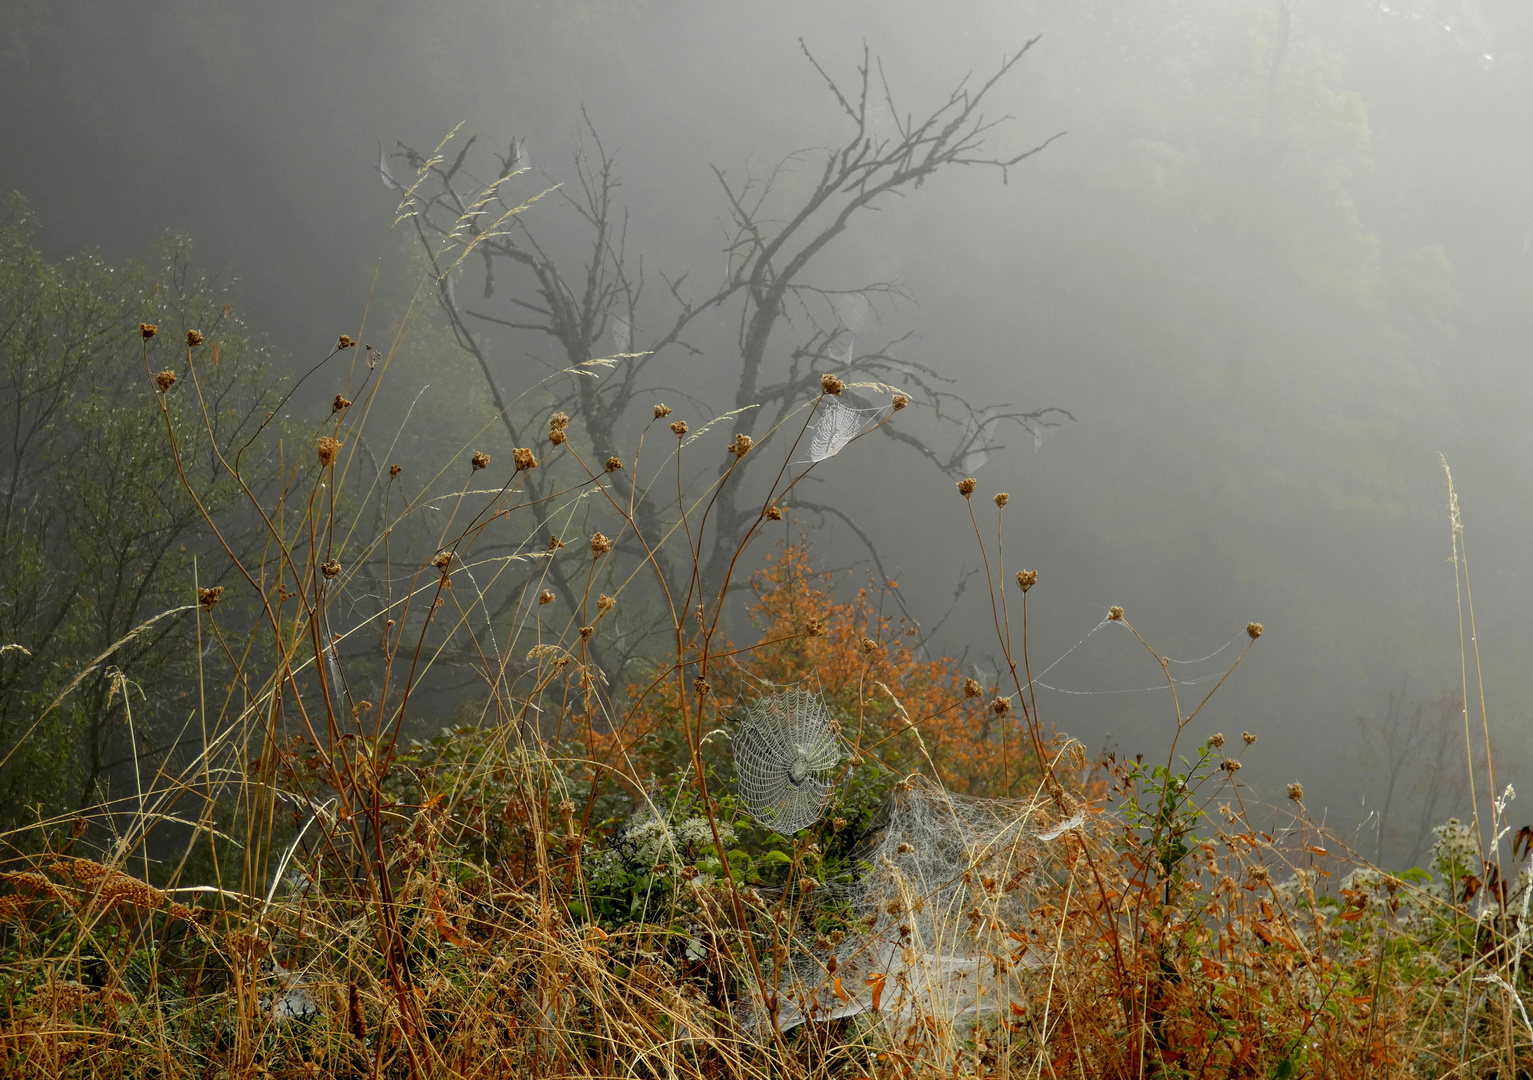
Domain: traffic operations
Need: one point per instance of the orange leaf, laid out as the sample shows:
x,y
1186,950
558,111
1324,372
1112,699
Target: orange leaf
x,y
841,991
876,981
1318,850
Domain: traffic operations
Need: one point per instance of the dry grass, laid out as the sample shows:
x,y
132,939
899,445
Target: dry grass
x,y
331,898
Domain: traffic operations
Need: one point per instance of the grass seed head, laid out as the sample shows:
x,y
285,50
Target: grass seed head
x,y
329,449
193,338
829,384
165,380
600,545
522,457
614,464
1026,579
147,330
900,401
209,597
480,460
967,485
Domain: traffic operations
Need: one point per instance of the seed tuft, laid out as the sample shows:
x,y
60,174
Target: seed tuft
x,y
329,448
165,380
831,385
193,338
209,597
967,485
147,330
523,459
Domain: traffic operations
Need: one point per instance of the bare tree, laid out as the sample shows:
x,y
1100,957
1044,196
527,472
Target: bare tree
x,y
767,287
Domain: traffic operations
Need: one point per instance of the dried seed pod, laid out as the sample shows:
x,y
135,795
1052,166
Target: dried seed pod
x,y
522,457
147,330
900,401
605,603
546,597
971,688
330,568
662,411
600,545
345,342
209,597
1296,791
1115,613
193,338
1026,579
774,513
1254,629
329,449
742,445
1002,498
1001,705
614,464
967,485
679,427
165,380
480,460
829,384
341,402
395,470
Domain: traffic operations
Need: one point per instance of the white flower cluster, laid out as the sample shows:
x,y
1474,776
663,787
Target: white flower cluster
x,y
695,833
1454,852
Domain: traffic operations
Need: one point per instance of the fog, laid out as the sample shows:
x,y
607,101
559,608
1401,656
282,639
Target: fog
x,y
1280,258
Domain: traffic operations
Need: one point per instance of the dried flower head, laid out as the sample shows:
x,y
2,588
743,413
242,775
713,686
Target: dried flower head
x,y
329,448
662,411
330,568
605,603
614,464
345,342
814,626
1001,705
193,338
554,543
522,458
165,380
395,470
209,597
1296,791
774,513
1216,740
586,632
1115,613
1254,629
558,437
1247,737
546,596
869,645
558,421
1002,498
147,330
967,485
1230,765
971,688
900,401
442,560
701,685
1026,579
679,427
341,402
831,385
600,545
742,445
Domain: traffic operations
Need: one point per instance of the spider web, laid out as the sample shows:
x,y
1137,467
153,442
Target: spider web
x,y
785,751
836,426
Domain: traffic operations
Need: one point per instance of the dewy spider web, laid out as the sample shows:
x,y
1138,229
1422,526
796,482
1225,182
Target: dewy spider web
x,y
836,426
944,893
784,753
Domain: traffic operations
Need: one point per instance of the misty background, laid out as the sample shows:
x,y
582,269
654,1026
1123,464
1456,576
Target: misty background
x,y
1281,258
